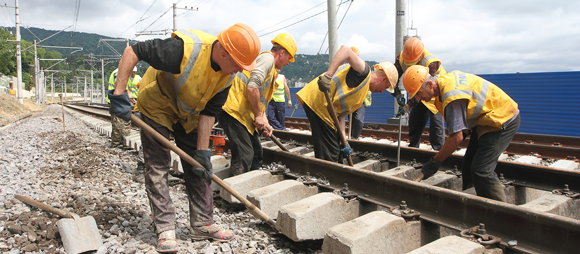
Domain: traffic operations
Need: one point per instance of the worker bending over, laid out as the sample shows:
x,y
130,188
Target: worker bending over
x,y
473,105
414,53
119,127
181,94
347,85
244,115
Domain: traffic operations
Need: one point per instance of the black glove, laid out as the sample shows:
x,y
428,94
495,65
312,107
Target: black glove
x,y
324,83
204,158
397,91
400,112
401,100
430,168
120,105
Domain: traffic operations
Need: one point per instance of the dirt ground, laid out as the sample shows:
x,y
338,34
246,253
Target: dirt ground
x,y
11,110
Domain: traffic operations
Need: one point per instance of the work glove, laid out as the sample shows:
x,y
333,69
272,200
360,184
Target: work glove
x,y
204,158
120,105
324,83
430,168
289,104
400,100
346,151
400,112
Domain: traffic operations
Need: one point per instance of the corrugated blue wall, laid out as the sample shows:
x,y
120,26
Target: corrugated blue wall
x,y
549,102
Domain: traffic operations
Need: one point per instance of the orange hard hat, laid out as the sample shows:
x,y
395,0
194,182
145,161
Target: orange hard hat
x,y
355,50
413,50
242,43
414,78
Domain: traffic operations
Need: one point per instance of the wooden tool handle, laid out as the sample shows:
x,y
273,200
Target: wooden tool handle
x,y
273,138
42,206
332,113
145,127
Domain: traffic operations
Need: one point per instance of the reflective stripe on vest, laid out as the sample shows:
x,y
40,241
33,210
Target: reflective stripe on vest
x,y
341,97
480,97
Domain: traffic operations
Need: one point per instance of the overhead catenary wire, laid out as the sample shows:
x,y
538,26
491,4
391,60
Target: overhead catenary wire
x,y
290,18
140,18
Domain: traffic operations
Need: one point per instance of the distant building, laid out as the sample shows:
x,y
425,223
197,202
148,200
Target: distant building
x,y
300,84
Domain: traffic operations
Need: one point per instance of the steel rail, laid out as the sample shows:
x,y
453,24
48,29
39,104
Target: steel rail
x,y
535,232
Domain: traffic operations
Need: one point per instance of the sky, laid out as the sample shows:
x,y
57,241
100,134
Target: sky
x,y
480,37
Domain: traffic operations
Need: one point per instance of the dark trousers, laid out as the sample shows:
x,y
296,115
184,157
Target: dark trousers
x,y
480,160
246,149
418,118
358,121
157,164
324,138
275,113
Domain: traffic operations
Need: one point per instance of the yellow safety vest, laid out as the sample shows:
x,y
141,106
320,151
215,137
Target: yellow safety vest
x,y
279,94
489,107
132,85
169,98
344,99
428,58
238,105
112,79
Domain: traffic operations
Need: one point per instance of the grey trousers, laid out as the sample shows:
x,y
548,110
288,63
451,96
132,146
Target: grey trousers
x,y
480,160
246,149
157,164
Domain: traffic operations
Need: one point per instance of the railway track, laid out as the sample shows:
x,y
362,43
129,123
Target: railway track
x,y
442,211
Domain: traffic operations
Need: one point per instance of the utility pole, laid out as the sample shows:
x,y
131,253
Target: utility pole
x,y
18,56
64,89
175,14
85,91
103,80
332,30
36,86
52,86
92,91
400,26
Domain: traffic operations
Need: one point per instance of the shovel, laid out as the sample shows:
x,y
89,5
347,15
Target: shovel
x,y
78,234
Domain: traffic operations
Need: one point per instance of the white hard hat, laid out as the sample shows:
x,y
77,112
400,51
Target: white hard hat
x,y
135,69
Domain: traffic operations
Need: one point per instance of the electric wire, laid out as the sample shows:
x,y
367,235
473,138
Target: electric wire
x,y
290,18
140,19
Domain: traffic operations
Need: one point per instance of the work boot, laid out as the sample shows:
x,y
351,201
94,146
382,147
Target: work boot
x,y
211,232
166,242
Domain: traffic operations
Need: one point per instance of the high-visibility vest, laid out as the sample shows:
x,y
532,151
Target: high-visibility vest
x,y
489,107
279,94
344,99
238,104
169,98
368,100
132,85
112,79
428,58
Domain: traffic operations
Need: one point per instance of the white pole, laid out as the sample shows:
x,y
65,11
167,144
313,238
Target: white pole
x,y
103,80
332,30
18,56
85,91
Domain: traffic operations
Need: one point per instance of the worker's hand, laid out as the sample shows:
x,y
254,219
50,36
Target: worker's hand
x,y
324,83
430,168
259,122
267,131
401,100
204,158
289,104
400,112
120,105
346,151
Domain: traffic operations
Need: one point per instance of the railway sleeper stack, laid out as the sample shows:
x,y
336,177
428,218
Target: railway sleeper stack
x,y
304,212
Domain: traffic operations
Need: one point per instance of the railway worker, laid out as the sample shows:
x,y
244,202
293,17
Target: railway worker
x,y
472,105
347,85
180,94
276,111
358,116
414,53
119,127
244,115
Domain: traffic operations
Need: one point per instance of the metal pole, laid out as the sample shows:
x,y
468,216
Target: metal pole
x,y
103,80
85,91
400,26
399,142
18,56
174,16
332,30
92,83
52,87
36,86
64,88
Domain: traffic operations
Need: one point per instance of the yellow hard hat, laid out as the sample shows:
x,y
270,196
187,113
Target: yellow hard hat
x,y
390,72
288,43
242,43
355,50
414,78
412,50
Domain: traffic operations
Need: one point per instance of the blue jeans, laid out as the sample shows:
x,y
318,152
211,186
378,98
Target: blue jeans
x,y
275,113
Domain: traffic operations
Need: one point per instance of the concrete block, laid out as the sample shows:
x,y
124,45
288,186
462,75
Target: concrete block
x,y
450,245
424,146
368,139
406,172
372,165
375,232
403,143
565,164
529,160
248,181
300,150
385,141
503,157
444,180
310,154
460,151
527,194
556,204
221,168
137,145
127,140
310,218
509,190
270,198
269,144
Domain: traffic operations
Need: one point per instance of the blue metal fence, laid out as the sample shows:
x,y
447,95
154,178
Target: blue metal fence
x,y
549,102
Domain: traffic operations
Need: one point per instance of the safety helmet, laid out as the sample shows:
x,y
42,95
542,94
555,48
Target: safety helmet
x,y
414,78
288,43
390,72
135,69
242,43
412,50
355,50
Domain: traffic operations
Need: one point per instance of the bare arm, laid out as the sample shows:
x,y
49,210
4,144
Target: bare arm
x,y
204,131
128,61
346,54
254,98
287,91
449,146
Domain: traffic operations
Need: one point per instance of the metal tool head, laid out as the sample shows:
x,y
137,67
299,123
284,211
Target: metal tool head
x,y
79,234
